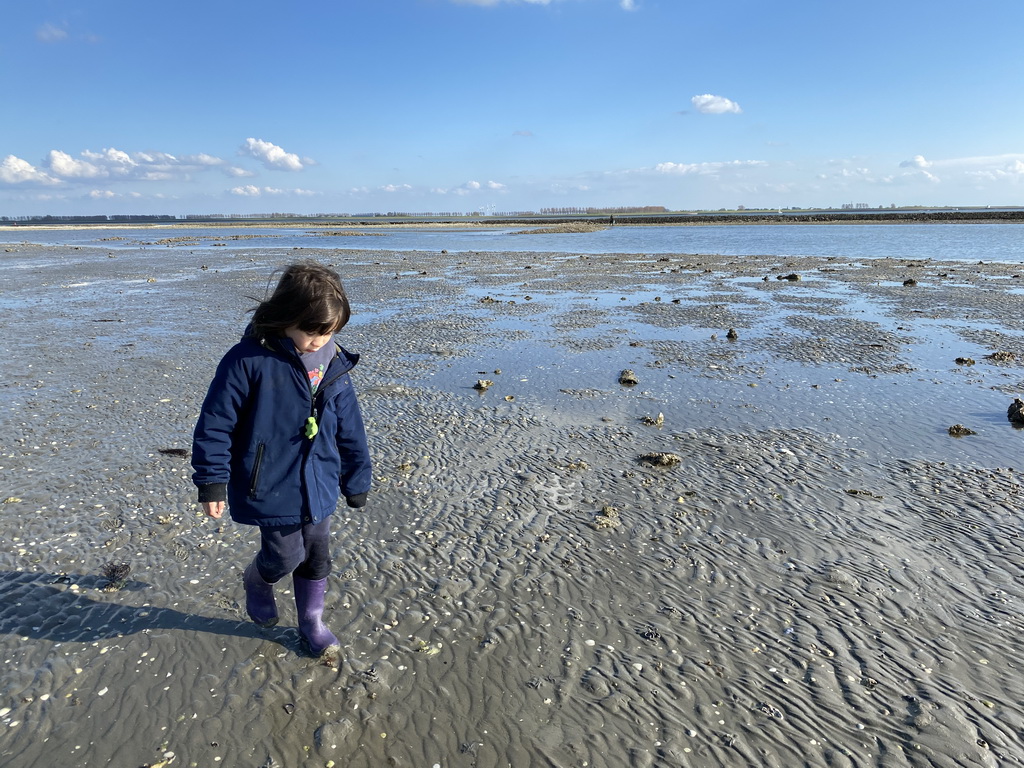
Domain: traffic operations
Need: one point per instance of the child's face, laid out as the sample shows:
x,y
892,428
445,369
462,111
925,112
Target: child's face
x,y
306,342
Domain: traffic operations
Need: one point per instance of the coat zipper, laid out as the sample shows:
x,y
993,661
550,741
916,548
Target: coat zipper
x,y
255,477
313,422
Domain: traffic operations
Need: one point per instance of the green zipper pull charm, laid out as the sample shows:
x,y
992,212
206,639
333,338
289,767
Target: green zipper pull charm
x,y
311,428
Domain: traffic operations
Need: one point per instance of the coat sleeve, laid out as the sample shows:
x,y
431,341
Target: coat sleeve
x,y
356,469
214,432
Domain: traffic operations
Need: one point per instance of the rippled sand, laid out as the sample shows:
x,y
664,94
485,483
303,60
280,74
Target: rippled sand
x,y
826,577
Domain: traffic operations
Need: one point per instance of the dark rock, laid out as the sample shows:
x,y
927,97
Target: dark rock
x,y
1015,412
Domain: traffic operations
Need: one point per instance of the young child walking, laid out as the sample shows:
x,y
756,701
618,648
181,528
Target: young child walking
x,y
280,439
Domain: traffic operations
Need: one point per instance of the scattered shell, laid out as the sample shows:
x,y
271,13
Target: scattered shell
x,y
965,361
427,649
792,277
483,384
661,459
959,430
654,421
628,378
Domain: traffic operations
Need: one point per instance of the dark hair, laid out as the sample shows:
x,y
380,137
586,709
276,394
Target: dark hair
x,y
309,296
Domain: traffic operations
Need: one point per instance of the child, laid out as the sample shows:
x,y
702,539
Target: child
x,y
280,438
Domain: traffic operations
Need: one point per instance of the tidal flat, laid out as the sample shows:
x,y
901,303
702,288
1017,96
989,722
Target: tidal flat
x,y
818,573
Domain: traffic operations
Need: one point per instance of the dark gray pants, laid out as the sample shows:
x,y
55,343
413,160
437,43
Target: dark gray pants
x,y
304,550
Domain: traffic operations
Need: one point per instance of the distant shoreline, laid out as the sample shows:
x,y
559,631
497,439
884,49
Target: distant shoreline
x,y
875,216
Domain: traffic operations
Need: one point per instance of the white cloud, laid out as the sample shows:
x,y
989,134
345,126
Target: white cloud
x,y
706,169
972,170
628,5
115,165
51,33
272,156
202,159
708,104
1012,170
396,188
102,194
14,170
918,161
471,187
66,167
251,190
468,188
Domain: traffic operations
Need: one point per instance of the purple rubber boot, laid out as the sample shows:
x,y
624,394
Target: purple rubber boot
x,y
309,601
259,597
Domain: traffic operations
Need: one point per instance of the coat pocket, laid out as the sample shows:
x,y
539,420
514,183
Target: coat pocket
x,y
254,476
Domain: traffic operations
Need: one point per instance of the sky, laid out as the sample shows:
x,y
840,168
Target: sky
x,y
495,106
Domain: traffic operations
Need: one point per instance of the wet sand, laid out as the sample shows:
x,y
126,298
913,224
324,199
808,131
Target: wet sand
x,y
818,574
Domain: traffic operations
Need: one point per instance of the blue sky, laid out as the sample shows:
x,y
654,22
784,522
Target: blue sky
x,y
111,106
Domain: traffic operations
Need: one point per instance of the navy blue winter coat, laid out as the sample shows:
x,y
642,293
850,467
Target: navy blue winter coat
x,y
250,444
